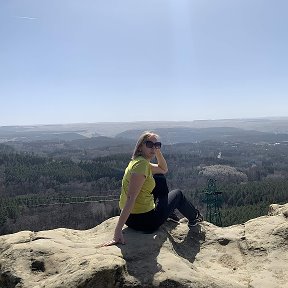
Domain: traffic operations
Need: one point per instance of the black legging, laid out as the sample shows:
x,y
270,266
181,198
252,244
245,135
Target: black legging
x,y
166,202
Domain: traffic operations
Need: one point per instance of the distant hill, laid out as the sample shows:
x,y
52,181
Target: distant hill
x,y
192,135
39,136
100,145
81,131
98,142
43,133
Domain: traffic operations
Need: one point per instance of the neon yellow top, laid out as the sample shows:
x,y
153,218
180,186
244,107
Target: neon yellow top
x,y
144,201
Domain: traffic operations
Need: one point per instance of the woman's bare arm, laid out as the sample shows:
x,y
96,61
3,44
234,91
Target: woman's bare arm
x,y
135,184
161,166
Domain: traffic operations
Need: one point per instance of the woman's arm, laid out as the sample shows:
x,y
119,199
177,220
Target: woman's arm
x,y
135,184
161,167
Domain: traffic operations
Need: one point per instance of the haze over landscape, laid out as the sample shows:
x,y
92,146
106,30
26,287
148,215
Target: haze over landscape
x,y
121,61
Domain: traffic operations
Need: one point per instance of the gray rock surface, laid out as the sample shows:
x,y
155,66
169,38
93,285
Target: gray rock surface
x,y
252,255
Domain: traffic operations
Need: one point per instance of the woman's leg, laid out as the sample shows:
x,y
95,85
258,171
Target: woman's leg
x,y
166,202
143,221
174,200
161,187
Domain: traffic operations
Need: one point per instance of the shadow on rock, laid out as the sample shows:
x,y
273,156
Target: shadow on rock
x,y
142,249
140,253
189,246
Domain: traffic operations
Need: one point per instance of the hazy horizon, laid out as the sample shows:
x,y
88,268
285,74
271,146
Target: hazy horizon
x,y
65,62
152,121
232,120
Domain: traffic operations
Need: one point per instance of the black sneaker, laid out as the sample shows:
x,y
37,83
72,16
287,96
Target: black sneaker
x,y
199,218
173,217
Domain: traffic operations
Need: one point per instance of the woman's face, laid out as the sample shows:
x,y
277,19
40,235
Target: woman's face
x,y
149,153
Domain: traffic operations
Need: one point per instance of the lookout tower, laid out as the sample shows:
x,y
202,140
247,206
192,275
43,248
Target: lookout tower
x,y
212,198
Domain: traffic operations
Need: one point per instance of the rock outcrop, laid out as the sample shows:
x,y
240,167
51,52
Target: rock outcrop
x,y
250,255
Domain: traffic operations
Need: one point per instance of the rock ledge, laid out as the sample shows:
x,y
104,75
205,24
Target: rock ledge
x,y
253,254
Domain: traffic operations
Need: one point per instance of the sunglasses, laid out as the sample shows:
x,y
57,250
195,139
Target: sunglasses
x,y
150,144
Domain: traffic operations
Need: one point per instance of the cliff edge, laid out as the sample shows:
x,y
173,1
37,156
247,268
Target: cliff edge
x,y
251,255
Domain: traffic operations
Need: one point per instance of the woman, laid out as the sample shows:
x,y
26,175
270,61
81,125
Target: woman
x,y
138,210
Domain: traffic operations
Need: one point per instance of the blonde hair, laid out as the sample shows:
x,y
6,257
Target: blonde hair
x,y
143,137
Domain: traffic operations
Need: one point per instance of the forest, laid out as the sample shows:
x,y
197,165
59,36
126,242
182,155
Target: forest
x,y
80,188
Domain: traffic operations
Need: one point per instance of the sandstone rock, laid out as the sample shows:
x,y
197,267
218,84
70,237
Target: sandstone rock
x,y
253,254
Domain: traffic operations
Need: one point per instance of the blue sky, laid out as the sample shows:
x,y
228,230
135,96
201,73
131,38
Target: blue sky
x,y
75,61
